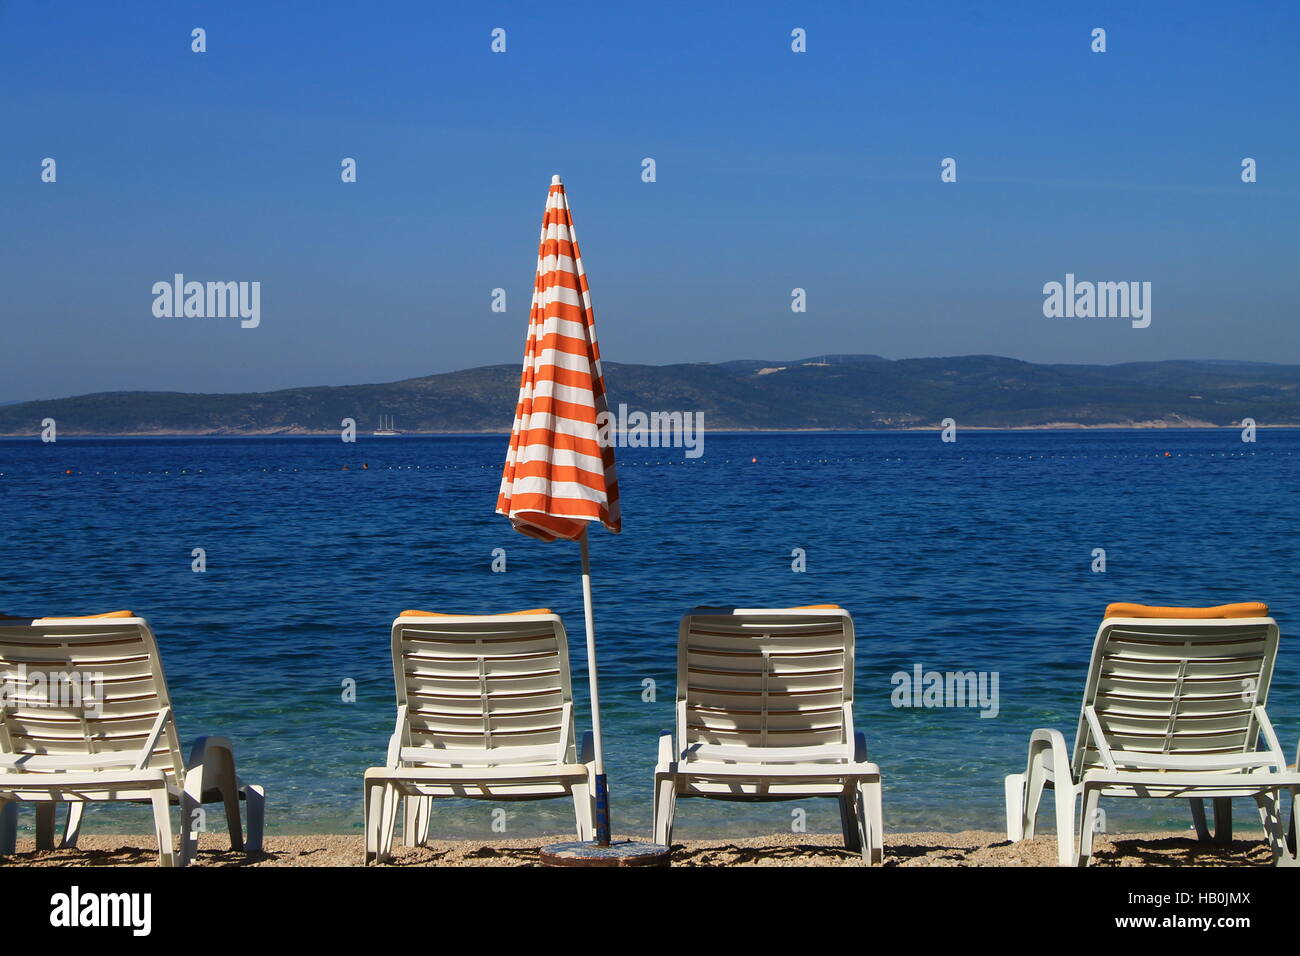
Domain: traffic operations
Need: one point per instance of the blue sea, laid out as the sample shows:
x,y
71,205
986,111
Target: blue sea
x,y
974,555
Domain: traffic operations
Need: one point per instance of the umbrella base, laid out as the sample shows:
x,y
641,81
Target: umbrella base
x,y
618,853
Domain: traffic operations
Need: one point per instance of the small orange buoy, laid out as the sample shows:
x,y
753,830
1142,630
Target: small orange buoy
x,y
67,471
753,461
1167,455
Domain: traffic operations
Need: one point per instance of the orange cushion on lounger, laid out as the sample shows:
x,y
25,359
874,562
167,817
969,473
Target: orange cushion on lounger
x,y
536,610
1246,609
801,607
87,617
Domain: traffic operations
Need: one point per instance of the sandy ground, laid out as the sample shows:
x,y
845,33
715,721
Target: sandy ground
x,y
968,848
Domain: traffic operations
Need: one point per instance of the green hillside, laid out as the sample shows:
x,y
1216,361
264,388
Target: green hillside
x,y
827,392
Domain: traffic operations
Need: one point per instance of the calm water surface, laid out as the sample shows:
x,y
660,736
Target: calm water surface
x,y
968,556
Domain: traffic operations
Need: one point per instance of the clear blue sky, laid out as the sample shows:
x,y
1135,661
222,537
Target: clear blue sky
x,y
775,170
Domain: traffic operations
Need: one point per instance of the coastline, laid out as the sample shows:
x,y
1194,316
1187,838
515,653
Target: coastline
x,y
977,848
333,433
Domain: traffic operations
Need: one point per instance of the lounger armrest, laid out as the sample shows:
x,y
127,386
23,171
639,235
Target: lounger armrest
x,y
566,731
395,741
203,746
210,759
1270,737
1045,738
859,747
667,750
151,741
1099,737
587,757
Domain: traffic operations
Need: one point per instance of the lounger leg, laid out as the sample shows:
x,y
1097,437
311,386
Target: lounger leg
x,y
850,819
228,786
162,826
381,820
415,822
584,812
665,809
1223,820
8,827
1291,830
45,812
370,819
1270,814
388,822
255,810
875,821
230,797
1088,826
1033,796
410,819
72,829
1065,855
1014,784
191,815
863,827
426,818
1198,819
868,835
1267,804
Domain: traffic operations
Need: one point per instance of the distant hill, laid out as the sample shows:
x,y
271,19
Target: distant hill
x,y
824,392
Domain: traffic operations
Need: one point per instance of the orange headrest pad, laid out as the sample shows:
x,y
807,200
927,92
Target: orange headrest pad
x,y
1222,611
88,617
536,610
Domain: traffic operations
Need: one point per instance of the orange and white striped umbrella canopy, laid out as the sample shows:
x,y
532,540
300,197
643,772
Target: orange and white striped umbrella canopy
x,y
559,476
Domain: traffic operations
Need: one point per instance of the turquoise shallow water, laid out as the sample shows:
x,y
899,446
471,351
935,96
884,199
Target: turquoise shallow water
x,y
968,556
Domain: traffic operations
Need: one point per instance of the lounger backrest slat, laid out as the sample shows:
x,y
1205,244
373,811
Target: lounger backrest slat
x,y
483,691
756,679
73,689
1177,687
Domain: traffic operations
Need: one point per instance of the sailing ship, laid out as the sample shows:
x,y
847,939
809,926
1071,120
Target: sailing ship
x,y
385,429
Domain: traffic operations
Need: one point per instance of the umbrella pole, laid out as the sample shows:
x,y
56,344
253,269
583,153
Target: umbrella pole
x,y
601,852
602,787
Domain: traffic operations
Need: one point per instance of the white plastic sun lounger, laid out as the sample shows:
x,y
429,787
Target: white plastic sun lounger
x,y
1173,707
85,716
765,712
485,711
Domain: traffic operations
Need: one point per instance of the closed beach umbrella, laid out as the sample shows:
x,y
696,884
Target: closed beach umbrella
x,y
558,479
